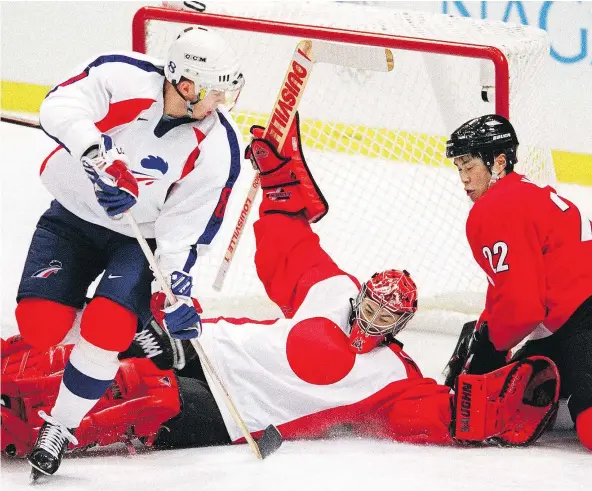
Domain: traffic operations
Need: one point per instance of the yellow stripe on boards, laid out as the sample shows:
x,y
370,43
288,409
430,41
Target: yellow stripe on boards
x,y
413,147
571,167
22,97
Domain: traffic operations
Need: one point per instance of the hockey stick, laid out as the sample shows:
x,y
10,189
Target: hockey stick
x,y
307,53
271,439
20,122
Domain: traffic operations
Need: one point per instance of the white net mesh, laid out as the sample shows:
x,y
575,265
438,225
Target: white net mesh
x,y
375,144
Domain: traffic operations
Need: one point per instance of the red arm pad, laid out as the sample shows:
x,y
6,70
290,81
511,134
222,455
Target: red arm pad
x,y
512,405
290,260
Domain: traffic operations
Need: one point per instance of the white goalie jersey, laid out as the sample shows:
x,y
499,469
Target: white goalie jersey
x,y
185,168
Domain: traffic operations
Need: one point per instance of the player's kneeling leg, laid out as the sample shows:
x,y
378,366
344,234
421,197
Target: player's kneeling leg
x,y
512,406
288,186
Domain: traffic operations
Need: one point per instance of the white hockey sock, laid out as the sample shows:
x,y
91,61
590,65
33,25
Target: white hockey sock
x,y
87,375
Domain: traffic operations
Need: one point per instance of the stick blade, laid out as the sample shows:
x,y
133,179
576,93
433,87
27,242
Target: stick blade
x,y
270,441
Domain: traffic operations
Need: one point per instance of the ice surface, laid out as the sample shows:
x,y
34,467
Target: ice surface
x,y
556,462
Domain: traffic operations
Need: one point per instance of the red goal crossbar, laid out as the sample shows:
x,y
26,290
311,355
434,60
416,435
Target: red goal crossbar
x,y
495,55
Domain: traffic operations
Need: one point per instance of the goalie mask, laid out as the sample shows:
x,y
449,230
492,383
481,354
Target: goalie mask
x,y
384,306
202,56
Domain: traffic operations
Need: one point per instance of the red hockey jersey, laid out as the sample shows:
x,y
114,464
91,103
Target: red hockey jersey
x,y
536,250
298,373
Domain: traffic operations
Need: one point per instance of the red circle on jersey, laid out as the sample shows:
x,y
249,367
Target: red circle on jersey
x,y
317,351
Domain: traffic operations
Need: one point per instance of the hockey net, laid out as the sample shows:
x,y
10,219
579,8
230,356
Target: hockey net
x,y
375,141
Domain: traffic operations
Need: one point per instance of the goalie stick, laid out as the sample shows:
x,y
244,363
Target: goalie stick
x,y
307,53
271,439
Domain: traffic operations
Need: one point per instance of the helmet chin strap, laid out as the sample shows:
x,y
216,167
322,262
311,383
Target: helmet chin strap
x,y
190,105
494,178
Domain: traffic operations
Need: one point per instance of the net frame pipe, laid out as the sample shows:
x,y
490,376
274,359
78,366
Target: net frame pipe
x,y
465,50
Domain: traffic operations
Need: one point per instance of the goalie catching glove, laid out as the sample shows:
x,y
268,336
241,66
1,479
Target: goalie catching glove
x,y
106,166
288,186
181,319
510,406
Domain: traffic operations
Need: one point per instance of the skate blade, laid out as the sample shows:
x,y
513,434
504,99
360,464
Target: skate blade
x,y
35,475
270,441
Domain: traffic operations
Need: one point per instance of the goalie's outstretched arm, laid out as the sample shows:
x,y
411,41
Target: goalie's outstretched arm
x,y
289,257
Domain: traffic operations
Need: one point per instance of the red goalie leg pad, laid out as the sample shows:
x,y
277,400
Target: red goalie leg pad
x,y
584,427
30,382
108,325
141,398
44,323
14,344
17,437
512,405
287,183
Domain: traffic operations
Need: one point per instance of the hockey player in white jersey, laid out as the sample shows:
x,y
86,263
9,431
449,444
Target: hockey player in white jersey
x,y
134,135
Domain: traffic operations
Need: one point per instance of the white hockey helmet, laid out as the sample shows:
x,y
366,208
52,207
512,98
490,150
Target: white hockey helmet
x,y
204,57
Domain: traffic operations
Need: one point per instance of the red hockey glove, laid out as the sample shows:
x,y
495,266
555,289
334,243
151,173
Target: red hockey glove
x,y
511,406
115,186
288,186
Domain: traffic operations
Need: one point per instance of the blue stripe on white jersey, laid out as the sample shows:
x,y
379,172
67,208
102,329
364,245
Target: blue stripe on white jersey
x,y
101,60
215,221
55,139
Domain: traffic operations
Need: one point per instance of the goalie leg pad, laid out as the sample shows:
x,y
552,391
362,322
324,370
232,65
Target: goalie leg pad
x,y
141,398
138,401
512,405
287,183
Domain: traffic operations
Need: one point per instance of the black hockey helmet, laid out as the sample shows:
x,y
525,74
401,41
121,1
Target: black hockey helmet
x,y
485,137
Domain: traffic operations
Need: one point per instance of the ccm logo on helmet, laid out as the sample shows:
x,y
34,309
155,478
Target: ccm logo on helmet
x,y
195,58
